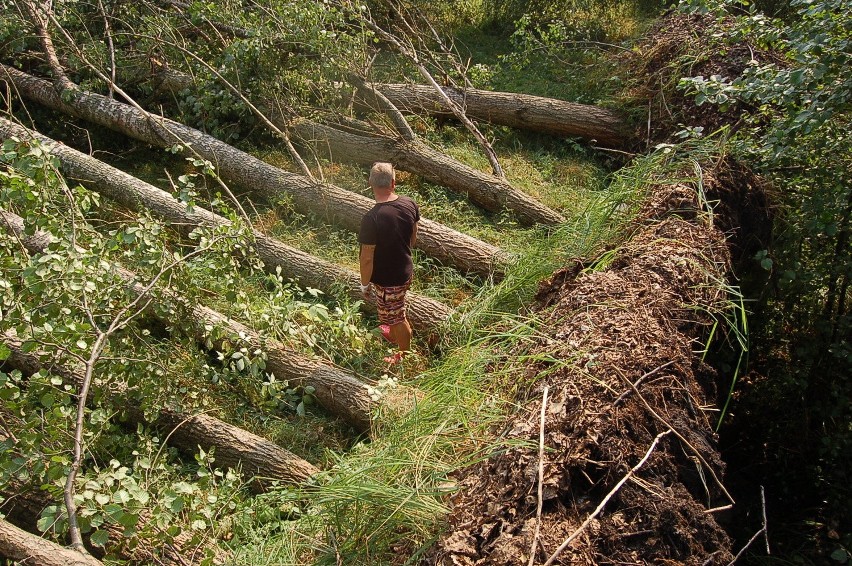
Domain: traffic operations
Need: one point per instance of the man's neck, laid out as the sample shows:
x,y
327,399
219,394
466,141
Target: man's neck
x,y
385,196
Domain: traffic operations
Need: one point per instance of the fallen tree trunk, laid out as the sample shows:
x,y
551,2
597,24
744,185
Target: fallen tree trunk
x,y
525,111
327,201
308,270
622,374
31,550
235,448
338,391
23,504
488,191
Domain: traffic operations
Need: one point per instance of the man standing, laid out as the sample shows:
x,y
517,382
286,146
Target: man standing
x,y
388,232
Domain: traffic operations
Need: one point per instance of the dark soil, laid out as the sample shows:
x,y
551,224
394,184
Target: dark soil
x,y
679,46
640,322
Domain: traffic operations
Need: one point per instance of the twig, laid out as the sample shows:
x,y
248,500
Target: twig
x,y
762,531
606,499
111,47
169,435
540,476
680,436
638,381
153,118
457,110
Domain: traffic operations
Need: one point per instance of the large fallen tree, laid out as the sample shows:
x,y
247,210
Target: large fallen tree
x,y
364,146
325,200
525,111
627,469
254,456
30,550
308,270
338,391
23,505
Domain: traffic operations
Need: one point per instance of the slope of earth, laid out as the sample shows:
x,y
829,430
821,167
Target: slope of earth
x,y
622,339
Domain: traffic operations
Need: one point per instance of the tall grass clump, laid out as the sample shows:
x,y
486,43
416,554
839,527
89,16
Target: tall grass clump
x,y
387,496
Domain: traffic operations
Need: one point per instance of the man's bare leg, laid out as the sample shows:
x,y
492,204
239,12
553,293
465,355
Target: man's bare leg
x,y
401,335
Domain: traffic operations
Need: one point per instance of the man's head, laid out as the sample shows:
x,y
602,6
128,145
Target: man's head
x,y
382,176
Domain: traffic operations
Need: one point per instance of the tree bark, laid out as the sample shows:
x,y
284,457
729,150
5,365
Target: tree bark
x,y
23,505
31,550
327,201
525,111
423,312
488,191
340,392
234,446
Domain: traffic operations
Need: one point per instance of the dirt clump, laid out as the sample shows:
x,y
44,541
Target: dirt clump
x,y
689,45
622,340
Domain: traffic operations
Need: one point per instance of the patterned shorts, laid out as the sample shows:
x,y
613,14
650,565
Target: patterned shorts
x,y
390,302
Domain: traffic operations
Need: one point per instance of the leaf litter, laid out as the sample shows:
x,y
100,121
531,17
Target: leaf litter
x,y
639,320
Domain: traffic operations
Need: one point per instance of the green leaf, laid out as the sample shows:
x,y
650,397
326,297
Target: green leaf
x,y
99,537
5,352
129,520
45,523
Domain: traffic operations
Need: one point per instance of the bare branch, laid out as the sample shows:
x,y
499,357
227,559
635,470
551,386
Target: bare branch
x,y
40,15
147,114
411,53
110,44
606,499
389,108
763,531
540,476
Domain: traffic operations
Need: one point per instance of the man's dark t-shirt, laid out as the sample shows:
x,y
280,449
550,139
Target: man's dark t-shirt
x,y
389,226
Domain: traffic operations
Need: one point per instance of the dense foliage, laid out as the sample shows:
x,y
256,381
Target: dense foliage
x,y
796,131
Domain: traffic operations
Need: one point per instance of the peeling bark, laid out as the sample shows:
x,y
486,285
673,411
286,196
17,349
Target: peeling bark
x,y
525,111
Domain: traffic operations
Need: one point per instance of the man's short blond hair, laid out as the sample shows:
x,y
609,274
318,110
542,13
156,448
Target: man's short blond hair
x,y
382,175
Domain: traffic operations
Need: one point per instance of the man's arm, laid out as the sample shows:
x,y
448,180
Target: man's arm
x,y
414,235
366,263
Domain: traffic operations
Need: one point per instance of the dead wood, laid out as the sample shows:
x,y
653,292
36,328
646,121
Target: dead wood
x,y
338,391
24,503
310,271
488,191
30,550
635,322
327,201
254,456
525,111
